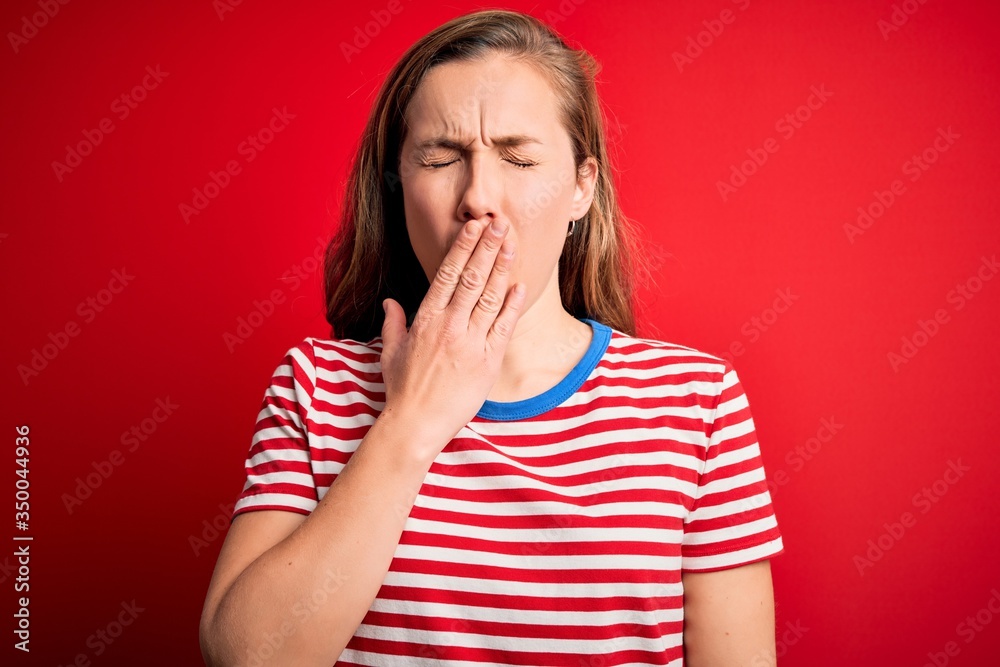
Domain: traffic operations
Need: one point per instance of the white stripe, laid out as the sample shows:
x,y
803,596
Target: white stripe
x,y
734,482
595,419
277,433
379,660
539,589
604,462
745,453
596,510
285,477
730,532
518,644
555,534
529,562
275,410
733,507
731,431
510,482
339,346
530,616
350,397
285,454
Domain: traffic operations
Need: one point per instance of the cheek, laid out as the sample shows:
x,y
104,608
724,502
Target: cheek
x,y
427,233
543,198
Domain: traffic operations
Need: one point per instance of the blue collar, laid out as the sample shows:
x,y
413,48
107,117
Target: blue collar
x,y
536,405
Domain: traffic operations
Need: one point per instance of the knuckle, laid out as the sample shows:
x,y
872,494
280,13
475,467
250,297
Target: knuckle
x,y
448,273
501,327
450,330
471,278
421,321
491,243
489,302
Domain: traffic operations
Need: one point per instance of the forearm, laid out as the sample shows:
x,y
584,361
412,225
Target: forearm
x,y
301,601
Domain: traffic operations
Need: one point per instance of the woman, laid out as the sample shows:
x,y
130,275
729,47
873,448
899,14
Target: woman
x,y
485,466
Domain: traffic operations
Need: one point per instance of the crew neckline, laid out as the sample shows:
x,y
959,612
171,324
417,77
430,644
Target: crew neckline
x,y
550,398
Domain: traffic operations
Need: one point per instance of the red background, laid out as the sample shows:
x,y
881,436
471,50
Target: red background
x,y
676,132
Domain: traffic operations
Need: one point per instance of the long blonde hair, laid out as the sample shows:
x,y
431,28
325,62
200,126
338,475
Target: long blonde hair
x,y
370,256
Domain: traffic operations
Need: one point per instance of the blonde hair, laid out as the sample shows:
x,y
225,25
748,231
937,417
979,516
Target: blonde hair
x,y
370,257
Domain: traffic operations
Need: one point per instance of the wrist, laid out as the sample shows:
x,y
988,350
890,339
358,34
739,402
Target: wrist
x,y
407,439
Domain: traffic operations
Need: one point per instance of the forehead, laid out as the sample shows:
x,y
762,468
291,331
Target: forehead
x,y
498,95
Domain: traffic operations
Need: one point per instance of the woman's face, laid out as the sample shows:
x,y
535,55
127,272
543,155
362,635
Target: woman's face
x,y
484,140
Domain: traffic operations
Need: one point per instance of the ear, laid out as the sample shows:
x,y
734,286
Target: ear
x,y
584,194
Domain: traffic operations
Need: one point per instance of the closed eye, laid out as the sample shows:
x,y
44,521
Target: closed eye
x,y
519,165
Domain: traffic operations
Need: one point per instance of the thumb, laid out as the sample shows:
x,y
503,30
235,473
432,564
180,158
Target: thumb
x,y
394,325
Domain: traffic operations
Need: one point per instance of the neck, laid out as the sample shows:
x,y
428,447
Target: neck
x,y
545,346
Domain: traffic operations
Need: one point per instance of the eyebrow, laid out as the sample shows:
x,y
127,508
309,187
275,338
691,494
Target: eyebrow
x,y
454,144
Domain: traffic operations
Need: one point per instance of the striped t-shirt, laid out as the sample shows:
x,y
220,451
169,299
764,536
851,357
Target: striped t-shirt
x,y
549,531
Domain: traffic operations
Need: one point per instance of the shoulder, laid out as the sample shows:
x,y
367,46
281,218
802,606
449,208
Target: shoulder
x,y
333,358
658,353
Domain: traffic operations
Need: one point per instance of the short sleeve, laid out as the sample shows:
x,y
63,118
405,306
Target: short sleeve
x,y
732,521
279,473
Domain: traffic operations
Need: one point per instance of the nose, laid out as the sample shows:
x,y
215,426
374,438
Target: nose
x,y
480,190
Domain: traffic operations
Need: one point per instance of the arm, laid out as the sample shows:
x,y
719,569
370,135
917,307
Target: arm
x,y
292,590
729,617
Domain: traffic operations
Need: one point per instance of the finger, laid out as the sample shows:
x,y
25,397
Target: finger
x,y
491,300
394,323
503,327
477,272
449,273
